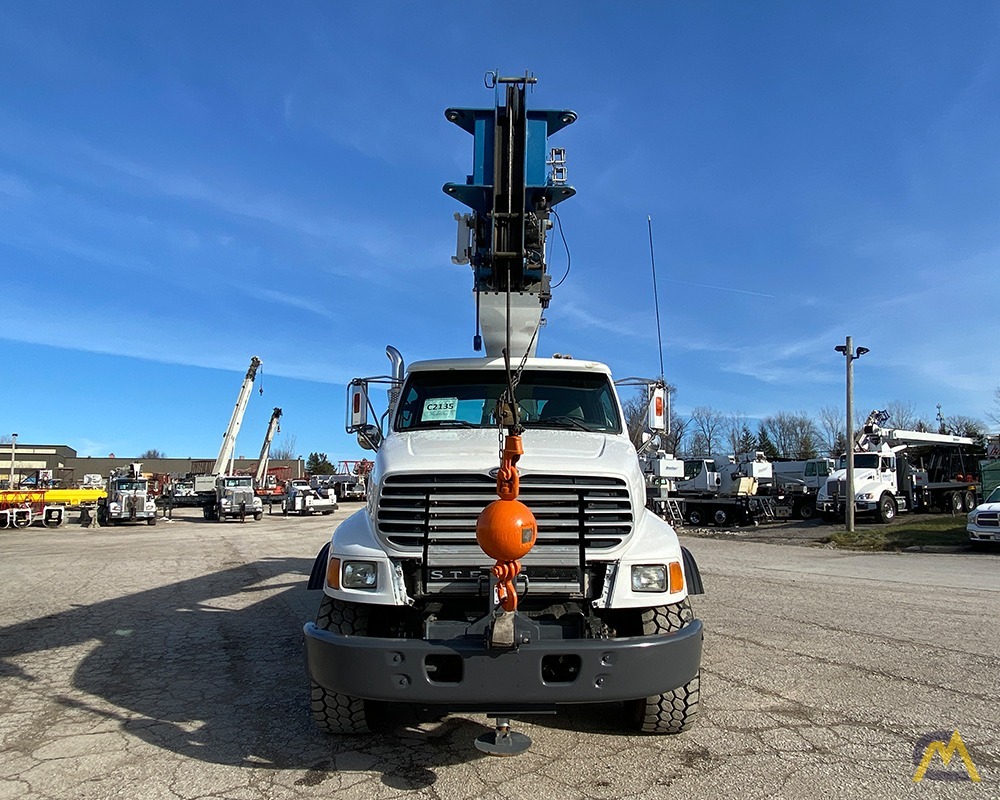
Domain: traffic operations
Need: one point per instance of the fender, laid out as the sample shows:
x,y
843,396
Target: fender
x,y
318,575
653,542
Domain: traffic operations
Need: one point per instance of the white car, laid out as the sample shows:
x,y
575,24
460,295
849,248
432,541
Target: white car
x,y
984,520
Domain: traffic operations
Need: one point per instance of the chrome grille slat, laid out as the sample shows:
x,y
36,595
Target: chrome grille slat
x,y
445,509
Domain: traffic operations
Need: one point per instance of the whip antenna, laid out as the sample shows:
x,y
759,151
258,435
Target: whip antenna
x,y
656,294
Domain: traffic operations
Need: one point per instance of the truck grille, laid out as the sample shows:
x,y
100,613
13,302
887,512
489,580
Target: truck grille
x,y
435,511
988,519
242,496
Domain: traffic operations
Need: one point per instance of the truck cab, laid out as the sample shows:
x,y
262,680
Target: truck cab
x,y
234,498
876,486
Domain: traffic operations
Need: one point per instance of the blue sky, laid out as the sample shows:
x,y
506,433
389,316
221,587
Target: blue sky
x,y
184,185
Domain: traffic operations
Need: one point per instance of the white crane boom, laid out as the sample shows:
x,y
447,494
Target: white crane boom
x,y
265,450
229,439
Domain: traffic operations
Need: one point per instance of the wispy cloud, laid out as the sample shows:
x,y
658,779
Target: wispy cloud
x,y
294,301
718,288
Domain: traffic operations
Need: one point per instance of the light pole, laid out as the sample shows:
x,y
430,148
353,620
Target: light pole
x,y
848,351
13,448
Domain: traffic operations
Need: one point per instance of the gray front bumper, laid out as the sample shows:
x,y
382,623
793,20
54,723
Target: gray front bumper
x,y
610,669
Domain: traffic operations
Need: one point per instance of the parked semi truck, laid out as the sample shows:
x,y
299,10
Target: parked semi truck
x,y
900,470
412,610
128,498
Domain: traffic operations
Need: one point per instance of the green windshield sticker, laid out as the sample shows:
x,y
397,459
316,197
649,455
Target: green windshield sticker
x,y
439,408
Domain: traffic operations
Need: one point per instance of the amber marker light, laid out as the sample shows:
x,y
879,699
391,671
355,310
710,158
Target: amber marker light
x,y
676,577
333,573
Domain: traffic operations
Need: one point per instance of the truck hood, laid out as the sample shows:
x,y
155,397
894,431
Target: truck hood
x,y
465,450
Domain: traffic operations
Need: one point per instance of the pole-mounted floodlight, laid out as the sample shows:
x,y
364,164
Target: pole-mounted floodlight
x,y
847,350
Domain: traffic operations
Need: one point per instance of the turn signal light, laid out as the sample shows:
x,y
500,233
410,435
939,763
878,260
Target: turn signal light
x,y
333,573
676,577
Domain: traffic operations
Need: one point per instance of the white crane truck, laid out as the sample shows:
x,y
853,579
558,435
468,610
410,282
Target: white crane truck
x,y
899,470
128,498
409,610
232,496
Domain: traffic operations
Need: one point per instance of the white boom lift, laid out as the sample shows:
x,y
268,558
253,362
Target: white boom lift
x,y
229,439
265,450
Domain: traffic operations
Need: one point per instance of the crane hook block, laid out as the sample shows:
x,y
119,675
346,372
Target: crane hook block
x,y
506,529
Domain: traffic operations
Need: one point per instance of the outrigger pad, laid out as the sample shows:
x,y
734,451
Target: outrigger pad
x,y
503,741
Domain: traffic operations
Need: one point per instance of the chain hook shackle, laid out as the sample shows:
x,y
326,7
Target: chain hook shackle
x,y
506,529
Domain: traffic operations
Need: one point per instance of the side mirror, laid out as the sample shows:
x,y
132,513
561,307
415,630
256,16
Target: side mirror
x,y
357,405
656,412
369,437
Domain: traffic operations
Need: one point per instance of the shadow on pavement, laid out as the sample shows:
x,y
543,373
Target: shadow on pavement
x,y
212,668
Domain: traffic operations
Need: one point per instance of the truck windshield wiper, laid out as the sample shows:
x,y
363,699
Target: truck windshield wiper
x,y
562,422
445,423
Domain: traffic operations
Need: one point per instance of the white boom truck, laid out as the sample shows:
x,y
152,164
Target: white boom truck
x,y
231,496
899,470
409,612
128,498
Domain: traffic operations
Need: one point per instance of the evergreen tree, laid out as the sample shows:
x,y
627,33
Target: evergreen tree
x,y
765,445
319,464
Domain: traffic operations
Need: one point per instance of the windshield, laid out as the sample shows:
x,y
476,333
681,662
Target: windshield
x,y
546,399
994,496
233,483
861,461
130,486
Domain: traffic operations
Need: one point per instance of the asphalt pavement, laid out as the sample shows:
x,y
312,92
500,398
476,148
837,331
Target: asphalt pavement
x,y
166,662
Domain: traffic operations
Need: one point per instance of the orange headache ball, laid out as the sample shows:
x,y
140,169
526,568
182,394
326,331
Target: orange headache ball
x,y
506,530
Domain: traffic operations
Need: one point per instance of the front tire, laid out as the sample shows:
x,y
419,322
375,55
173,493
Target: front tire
x,y
674,711
334,712
886,508
695,516
807,511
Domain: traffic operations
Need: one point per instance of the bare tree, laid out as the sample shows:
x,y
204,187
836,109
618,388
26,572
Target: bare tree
x,y
635,409
709,425
151,454
793,435
902,415
995,414
697,444
285,450
961,425
833,426
673,442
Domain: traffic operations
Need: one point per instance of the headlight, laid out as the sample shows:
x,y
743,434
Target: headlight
x,y
649,578
360,575
867,496
972,518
